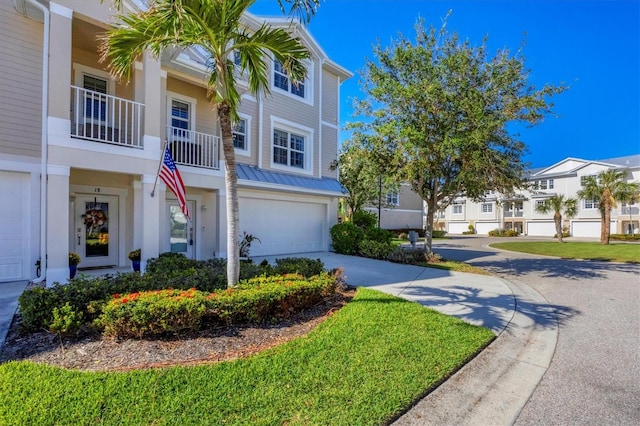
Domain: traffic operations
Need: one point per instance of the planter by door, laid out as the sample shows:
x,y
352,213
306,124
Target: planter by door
x,y
136,265
72,271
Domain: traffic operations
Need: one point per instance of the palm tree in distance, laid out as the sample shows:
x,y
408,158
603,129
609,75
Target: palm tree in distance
x,y
559,205
607,189
215,26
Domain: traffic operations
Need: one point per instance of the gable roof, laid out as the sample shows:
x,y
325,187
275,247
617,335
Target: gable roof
x,y
629,161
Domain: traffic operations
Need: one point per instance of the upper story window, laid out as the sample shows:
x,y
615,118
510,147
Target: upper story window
x,y
590,204
95,106
583,179
180,113
539,203
288,149
237,59
298,90
544,184
392,199
487,208
240,134
457,209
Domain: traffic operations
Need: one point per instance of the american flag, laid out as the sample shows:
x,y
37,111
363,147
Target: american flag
x,y
171,177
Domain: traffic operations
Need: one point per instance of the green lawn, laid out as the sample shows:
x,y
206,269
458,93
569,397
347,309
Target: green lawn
x,y
576,250
452,265
370,360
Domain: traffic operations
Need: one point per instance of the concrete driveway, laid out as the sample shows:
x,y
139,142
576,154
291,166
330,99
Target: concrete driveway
x,y
594,376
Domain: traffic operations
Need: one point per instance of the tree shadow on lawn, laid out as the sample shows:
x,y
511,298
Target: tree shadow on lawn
x,y
489,309
555,268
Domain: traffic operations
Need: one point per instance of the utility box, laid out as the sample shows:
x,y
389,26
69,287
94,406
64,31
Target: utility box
x,y
413,238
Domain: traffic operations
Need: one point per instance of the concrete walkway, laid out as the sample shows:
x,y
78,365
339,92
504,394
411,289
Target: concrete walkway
x,y
9,293
494,386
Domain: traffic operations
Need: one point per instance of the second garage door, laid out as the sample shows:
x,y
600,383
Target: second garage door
x,y
541,229
588,228
284,227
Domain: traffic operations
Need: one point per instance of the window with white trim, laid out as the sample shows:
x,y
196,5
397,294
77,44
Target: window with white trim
x,y
392,199
282,81
487,208
590,204
583,179
457,209
288,149
95,106
240,134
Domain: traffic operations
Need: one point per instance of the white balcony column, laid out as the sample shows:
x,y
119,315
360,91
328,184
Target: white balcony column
x,y
147,219
60,61
137,225
58,223
150,82
221,214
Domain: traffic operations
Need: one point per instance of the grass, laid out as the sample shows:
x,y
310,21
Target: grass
x,y
452,265
363,365
576,250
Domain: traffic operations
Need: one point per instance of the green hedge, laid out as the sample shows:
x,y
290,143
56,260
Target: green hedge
x,y
625,237
87,296
255,301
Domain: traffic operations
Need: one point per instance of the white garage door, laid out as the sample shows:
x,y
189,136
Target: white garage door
x,y
541,229
483,228
589,229
284,227
14,220
458,227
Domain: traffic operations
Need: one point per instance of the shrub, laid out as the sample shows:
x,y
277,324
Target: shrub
x,y
432,257
152,313
36,306
65,320
403,236
298,265
257,300
365,220
470,230
378,234
624,237
438,233
375,249
407,256
345,237
503,233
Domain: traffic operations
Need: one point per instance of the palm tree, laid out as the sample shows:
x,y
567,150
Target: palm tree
x,y
558,204
607,189
215,26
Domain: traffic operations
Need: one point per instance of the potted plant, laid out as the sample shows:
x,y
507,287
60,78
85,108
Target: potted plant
x,y
134,257
74,259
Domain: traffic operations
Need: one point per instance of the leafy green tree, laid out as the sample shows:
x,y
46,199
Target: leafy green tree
x,y
365,182
558,204
216,27
609,187
439,111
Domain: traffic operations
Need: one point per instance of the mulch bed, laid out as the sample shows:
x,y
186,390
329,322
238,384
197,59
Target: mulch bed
x,y
89,351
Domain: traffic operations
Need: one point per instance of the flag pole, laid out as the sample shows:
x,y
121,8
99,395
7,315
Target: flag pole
x,y
155,182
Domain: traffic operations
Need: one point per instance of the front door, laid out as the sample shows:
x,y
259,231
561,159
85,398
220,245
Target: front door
x,y
181,235
96,230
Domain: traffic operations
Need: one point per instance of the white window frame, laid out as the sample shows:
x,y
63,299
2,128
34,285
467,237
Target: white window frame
x,y
308,83
551,184
583,178
392,198
247,136
590,204
171,96
298,129
456,206
486,208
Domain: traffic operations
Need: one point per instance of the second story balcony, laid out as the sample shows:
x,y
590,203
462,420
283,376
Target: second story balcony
x,y
193,148
104,118
511,213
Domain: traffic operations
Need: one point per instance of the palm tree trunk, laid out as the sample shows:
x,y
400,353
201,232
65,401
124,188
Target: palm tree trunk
x,y
557,218
606,225
231,186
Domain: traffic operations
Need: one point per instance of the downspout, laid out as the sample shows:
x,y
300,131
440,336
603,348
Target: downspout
x,y
44,141
319,96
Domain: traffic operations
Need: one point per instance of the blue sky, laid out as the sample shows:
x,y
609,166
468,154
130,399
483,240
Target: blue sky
x,y
591,46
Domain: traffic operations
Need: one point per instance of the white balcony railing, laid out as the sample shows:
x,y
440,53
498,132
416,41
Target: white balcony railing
x,y
104,118
510,213
193,148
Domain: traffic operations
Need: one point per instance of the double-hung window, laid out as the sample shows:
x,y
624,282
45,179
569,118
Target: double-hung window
x,y
288,149
590,204
392,199
282,81
457,209
180,119
240,134
487,208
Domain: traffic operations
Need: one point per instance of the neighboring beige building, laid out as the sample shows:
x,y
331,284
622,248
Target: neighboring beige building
x,y
99,142
401,209
519,211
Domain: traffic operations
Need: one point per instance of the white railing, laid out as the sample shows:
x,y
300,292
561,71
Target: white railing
x,y
193,148
105,118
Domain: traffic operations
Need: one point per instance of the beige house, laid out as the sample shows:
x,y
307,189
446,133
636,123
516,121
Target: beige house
x,y
401,209
79,151
518,211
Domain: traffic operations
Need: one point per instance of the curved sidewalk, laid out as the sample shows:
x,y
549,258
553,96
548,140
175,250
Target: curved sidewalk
x,y
494,386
